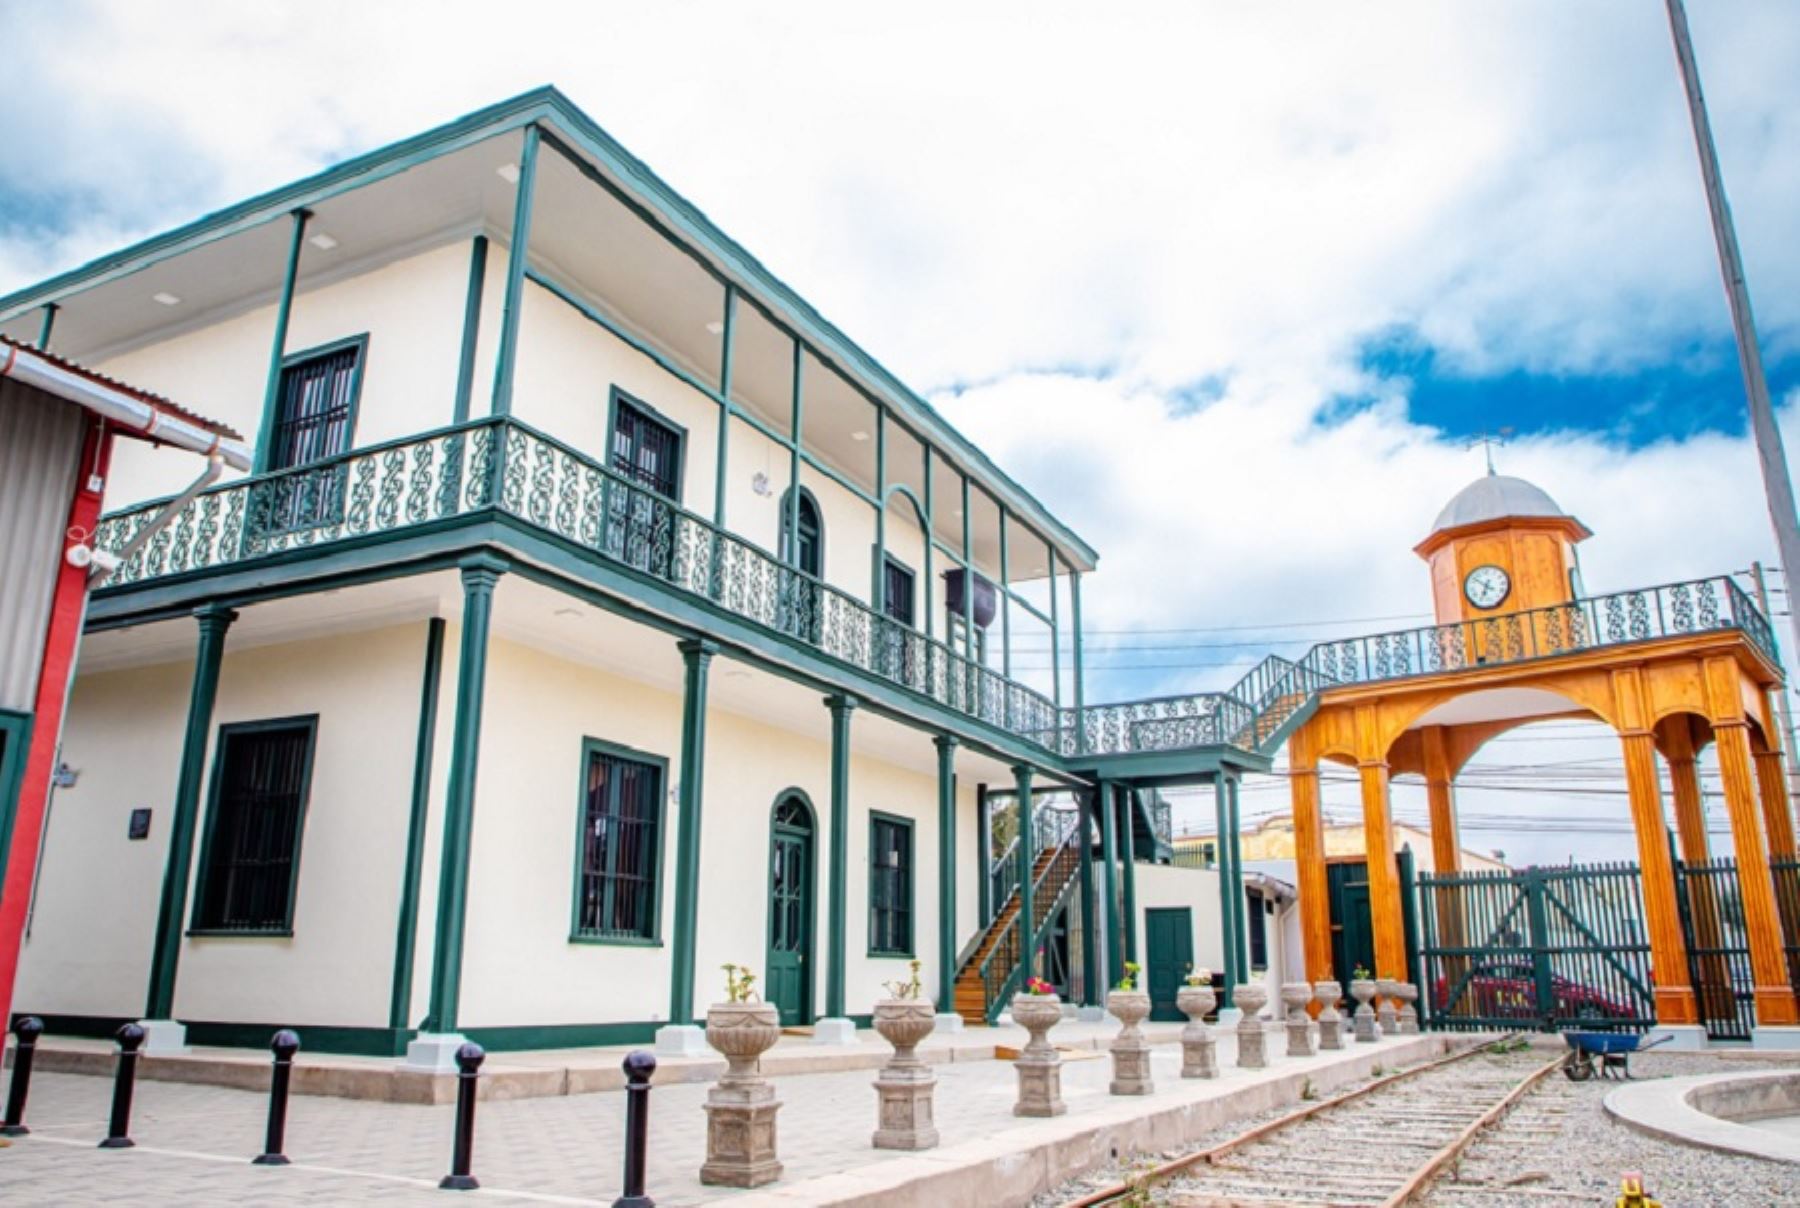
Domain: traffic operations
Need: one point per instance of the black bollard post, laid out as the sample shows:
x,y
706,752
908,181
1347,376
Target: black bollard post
x,y
284,1045
638,1068
27,1029
468,1062
118,1133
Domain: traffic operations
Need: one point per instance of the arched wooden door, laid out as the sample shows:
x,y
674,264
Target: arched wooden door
x,y
790,961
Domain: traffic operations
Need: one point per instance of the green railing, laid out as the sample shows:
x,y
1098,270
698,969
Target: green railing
x,y
1002,971
505,466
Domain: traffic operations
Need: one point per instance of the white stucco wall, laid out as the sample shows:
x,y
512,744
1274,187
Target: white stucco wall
x,y
97,891
1163,885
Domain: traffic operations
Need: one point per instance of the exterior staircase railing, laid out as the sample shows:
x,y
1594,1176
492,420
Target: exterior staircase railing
x,y
1055,862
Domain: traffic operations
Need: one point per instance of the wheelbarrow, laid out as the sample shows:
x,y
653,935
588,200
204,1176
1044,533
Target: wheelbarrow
x,y
1605,1053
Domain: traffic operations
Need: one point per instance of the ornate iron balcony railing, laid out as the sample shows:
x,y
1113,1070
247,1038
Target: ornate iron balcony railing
x,y
508,467
504,466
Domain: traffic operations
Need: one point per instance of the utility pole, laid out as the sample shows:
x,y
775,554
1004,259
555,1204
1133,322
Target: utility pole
x,y
1776,485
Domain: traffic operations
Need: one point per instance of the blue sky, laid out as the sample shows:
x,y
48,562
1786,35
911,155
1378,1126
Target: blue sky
x,y
1228,286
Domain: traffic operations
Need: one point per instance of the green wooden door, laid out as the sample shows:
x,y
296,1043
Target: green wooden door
x,y
1169,952
789,965
1352,925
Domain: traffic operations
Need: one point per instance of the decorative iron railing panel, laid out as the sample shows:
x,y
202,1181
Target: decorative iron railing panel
x,y
506,466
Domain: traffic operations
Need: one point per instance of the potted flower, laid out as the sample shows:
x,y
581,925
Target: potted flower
x,y
1196,998
905,1017
1362,987
1128,1003
742,1027
1036,1008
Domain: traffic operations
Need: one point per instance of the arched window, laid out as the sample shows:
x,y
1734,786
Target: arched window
x,y
809,553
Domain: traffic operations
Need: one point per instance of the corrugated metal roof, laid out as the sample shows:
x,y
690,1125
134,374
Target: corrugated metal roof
x,y
166,406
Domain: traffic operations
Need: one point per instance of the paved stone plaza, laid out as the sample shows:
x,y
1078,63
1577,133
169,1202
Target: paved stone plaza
x,y
194,1142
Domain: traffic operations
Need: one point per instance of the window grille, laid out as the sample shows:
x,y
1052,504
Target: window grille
x,y
253,843
621,812
890,886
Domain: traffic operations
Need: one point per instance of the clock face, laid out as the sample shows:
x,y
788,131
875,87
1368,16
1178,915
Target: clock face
x,y
1486,586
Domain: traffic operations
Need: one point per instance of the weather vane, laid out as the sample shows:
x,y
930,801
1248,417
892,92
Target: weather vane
x,y
1488,440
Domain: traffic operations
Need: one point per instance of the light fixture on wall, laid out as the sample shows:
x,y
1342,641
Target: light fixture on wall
x,y
759,482
65,776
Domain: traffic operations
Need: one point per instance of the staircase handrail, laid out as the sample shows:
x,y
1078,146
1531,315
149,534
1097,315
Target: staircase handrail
x,y
1008,944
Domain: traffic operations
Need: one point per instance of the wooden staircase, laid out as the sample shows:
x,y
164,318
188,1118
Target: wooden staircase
x,y
1267,722
1052,873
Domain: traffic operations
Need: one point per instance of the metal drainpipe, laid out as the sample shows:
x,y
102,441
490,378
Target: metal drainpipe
x,y
105,562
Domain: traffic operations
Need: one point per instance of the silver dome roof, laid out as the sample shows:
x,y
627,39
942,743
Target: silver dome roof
x,y
1495,497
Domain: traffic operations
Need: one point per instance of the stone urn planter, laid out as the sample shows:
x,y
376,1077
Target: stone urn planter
x,y
1387,1005
905,1085
1409,1014
1367,1029
1039,1066
1252,1041
1331,1024
1130,1051
1199,1048
741,1107
1294,997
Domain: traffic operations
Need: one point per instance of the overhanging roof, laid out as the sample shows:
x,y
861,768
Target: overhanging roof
x,y
549,106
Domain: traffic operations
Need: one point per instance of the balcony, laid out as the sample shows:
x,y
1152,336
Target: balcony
x,y
504,467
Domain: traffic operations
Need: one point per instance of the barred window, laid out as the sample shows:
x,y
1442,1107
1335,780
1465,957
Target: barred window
x,y
890,885
315,407
616,890
252,849
645,449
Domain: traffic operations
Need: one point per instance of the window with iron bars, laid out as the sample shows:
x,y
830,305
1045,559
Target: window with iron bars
x,y
616,890
251,854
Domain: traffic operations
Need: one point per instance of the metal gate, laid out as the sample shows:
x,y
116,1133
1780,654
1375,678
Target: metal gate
x,y
1545,948
1712,919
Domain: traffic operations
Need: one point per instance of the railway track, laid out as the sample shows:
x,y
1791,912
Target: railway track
x,y
1382,1143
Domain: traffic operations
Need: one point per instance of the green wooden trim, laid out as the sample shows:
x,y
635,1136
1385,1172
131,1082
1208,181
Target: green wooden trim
x,y
1075,624
946,822
696,657
795,793
841,708
930,539
1237,871
878,590
984,847
306,721
277,353
1056,694
15,745
506,355
165,954
616,395
1027,892
48,325
314,1038
1230,890
1006,601
1106,799
968,568
727,366
912,861
522,1037
590,747
798,426
480,574
1128,840
406,930
471,329
1090,958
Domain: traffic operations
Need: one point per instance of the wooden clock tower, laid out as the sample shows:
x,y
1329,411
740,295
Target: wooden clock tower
x,y
1501,545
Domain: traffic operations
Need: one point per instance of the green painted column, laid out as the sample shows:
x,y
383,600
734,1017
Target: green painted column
x,y
480,575
1106,800
946,772
406,934
284,307
1090,959
506,355
1027,855
1237,876
1128,804
471,329
1230,900
841,708
984,850
165,957
48,325
697,656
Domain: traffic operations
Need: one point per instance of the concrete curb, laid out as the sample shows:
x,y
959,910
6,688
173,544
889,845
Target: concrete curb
x,y
1704,1111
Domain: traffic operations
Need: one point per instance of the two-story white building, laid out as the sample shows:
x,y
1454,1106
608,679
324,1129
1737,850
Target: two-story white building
x,y
596,614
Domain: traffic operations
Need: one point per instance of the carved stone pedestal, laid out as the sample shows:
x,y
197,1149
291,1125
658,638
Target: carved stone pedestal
x,y
741,1107
1331,1024
906,1084
1039,1066
1199,1048
1409,1014
1368,1031
1387,1012
1130,1051
1252,1041
1295,996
